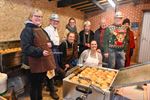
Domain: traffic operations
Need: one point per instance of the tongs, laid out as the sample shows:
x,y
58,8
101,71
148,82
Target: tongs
x,y
98,89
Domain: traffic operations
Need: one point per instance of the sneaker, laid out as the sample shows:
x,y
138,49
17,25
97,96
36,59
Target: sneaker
x,y
54,96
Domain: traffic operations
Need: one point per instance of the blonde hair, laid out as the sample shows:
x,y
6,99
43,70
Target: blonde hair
x,y
87,23
34,11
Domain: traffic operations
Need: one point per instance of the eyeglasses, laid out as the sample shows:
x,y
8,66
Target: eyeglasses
x,y
38,16
71,22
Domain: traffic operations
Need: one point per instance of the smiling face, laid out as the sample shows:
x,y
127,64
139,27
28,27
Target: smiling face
x,y
118,20
54,23
72,23
93,45
71,37
36,17
87,27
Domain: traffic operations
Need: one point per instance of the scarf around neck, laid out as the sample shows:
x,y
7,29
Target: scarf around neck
x,y
71,29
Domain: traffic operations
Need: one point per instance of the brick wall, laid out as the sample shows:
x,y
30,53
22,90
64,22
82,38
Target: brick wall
x,y
13,13
134,13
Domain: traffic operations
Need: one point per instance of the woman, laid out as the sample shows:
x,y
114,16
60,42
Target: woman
x,y
131,43
69,52
36,46
85,37
91,57
71,27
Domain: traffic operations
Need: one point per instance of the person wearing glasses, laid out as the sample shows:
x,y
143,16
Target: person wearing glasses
x,y
37,53
115,42
52,31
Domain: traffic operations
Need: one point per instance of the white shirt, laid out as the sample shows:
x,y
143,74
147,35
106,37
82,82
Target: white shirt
x,y
86,59
53,34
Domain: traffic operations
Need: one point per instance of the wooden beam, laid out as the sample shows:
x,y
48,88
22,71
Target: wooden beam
x,y
89,9
98,4
94,9
81,4
64,3
85,6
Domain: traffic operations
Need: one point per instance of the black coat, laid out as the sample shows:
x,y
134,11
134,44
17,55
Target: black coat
x,y
82,40
27,43
97,38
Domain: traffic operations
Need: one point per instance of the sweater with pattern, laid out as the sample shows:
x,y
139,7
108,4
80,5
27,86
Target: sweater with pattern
x,y
115,37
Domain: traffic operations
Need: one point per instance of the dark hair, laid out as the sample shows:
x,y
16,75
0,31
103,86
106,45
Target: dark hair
x,y
126,21
72,19
92,41
70,33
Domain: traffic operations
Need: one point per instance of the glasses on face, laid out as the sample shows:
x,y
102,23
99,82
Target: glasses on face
x,y
71,22
37,16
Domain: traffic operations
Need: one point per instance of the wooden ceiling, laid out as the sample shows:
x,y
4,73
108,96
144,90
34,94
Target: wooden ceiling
x,y
88,6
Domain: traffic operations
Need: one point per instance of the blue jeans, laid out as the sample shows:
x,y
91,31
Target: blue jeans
x,y
116,59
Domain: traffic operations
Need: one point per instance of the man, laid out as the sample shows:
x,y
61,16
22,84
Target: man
x,y
115,42
54,36
85,37
99,37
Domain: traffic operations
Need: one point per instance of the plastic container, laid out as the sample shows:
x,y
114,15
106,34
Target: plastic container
x,y
3,83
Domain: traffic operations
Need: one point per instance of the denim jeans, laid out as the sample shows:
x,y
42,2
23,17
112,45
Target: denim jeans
x,y
116,59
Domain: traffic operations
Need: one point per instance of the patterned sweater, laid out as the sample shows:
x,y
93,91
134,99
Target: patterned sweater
x,y
115,37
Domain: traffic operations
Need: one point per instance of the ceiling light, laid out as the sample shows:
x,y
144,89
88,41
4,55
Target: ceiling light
x,y
112,3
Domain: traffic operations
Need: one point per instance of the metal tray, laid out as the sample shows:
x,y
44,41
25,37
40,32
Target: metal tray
x,y
134,75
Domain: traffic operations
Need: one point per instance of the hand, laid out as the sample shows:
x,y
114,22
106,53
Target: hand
x,y
66,66
45,53
106,55
98,50
49,44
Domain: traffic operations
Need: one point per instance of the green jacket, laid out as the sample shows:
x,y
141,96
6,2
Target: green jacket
x,y
115,37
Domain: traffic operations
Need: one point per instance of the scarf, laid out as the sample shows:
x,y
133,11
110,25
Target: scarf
x,y
71,29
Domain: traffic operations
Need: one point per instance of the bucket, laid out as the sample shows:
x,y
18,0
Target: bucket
x,y
3,83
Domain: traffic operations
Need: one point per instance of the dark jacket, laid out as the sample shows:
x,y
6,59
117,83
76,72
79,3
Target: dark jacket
x,y
33,41
83,40
67,59
97,38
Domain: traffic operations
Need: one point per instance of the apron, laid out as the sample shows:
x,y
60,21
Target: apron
x,y
90,61
69,53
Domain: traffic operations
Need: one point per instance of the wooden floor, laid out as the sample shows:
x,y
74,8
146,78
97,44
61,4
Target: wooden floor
x,y
46,95
132,93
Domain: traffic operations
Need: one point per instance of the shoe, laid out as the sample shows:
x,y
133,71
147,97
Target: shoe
x,y
54,96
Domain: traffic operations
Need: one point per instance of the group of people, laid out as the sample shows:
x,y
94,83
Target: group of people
x,y
49,57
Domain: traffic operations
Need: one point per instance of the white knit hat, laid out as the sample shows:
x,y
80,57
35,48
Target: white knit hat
x,y
54,17
118,14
